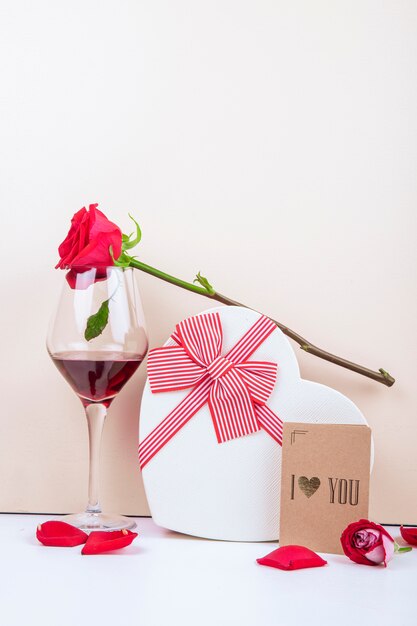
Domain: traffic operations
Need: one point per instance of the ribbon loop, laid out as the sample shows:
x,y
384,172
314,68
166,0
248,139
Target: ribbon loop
x,y
231,408
201,337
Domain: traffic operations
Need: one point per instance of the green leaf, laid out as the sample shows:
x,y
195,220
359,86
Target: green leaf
x,y
127,242
204,283
97,322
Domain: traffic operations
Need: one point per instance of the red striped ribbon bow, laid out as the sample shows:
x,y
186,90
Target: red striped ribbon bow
x,y
236,389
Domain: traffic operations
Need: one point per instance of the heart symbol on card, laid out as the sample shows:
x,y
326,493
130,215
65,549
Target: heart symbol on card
x,y
309,486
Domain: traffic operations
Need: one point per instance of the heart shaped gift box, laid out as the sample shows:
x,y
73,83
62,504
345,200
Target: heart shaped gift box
x,y
230,490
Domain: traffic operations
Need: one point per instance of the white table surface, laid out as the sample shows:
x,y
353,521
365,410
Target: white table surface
x,y
165,578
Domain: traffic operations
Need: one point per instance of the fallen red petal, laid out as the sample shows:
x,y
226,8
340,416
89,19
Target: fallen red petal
x,y
409,534
292,557
104,541
56,533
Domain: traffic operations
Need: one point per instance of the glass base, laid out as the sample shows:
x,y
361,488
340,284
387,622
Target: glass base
x,y
99,521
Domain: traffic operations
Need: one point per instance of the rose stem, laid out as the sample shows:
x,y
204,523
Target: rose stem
x,y
380,376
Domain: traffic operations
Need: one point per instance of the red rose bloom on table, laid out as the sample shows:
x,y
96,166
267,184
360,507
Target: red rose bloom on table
x,y
367,543
88,243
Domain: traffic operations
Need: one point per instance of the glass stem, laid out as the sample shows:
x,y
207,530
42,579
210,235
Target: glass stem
x,y
96,414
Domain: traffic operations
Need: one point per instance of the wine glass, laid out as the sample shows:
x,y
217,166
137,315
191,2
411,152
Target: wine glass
x,y
97,367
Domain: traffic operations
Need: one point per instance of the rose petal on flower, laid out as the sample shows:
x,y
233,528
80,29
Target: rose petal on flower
x,y
83,235
97,252
100,541
389,548
56,533
366,538
292,557
382,553
71,239
375,533
409,534
102,225
377,555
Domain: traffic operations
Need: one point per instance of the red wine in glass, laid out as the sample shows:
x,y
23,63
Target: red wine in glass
x,y
97,367
97,377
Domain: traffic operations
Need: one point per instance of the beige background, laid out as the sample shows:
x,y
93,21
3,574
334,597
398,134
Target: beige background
x,y
271,145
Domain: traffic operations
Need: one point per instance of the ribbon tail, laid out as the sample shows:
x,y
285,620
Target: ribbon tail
x,y
173,422
270,422
231,408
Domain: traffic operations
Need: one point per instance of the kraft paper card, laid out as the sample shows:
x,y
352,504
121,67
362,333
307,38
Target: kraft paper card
x,y
324,483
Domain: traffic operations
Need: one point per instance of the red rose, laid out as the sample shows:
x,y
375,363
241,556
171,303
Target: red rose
x,y
88,242
367,543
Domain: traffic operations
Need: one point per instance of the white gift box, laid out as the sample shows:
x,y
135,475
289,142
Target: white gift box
x,y
231,491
